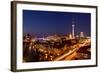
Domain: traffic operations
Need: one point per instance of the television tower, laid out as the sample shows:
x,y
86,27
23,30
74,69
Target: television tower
x,y
73,29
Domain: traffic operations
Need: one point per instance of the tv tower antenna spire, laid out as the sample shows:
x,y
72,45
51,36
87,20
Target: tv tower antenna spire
x,y
73,29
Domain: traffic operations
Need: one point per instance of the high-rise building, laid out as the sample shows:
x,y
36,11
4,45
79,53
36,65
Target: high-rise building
x,y
81,34
70,36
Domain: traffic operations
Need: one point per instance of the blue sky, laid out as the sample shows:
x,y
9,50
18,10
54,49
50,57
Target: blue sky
x,y
42,23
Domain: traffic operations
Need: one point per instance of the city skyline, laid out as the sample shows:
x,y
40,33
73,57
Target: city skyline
x,y
42,23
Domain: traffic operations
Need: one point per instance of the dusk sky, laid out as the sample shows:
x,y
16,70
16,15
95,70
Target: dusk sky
x,y
43,23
